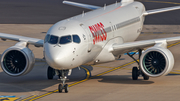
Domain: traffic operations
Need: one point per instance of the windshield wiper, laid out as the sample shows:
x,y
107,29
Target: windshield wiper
x,y
57,45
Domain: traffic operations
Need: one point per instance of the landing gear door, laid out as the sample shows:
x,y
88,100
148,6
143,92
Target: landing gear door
x,y
88,36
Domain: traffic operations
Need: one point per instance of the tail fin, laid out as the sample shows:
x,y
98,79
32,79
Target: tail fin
x,y
127,0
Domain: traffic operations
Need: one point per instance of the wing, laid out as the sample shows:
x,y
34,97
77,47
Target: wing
x,y
92,7
86,6
155,11
132,46
33,41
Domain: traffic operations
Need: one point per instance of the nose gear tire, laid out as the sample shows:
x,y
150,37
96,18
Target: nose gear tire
x,y
66,88
60,88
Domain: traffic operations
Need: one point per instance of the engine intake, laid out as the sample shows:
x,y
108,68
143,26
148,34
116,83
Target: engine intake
x,y
17,61
156,61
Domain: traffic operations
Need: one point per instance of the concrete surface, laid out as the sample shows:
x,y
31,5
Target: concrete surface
x,y
109,81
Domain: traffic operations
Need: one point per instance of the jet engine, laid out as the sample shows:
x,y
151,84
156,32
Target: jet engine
x,y
156,61
17,60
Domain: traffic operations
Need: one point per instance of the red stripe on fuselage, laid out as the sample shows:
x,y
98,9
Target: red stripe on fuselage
x,y
104,13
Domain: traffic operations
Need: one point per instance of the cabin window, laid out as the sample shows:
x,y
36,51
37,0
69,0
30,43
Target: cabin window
x,y
76,39
53,39
65,39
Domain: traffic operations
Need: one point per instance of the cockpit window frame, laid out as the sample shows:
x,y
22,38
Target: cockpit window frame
x,y
67,42
50,40
47,37
78,37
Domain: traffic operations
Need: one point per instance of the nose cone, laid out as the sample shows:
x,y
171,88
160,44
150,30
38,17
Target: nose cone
x,y
56,58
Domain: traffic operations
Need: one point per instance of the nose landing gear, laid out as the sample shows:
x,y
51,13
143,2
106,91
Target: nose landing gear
x,y
63,86
63,78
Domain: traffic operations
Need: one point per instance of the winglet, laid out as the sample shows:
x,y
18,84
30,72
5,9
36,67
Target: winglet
x,y
81,5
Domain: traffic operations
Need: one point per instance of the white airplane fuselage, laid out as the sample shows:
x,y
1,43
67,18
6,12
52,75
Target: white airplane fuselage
x,y
97,30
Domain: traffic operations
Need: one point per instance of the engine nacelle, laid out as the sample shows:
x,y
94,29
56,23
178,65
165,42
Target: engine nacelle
x,y
156,61
17,60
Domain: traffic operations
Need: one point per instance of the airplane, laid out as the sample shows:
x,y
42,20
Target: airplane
x,y
100,35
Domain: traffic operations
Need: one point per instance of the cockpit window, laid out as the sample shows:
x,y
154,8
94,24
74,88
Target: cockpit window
x,y
65,39
53,39
46,38
76,39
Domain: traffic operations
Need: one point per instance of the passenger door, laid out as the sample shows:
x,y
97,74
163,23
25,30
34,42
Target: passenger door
x,y
88,36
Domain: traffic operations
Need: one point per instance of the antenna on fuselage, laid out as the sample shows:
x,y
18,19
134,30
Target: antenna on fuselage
x,y
104,6
83,14
116,3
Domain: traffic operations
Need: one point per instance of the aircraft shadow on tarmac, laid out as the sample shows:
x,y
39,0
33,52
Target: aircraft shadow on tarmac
x,y
126,79
37,80
123,79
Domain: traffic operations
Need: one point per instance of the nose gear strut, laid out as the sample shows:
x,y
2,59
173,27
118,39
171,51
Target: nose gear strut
x,y
62,74
63,78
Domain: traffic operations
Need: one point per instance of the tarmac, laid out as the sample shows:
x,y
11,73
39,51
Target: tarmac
x,y
108,81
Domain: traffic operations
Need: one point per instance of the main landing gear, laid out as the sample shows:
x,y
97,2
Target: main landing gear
x,y
136,71
62,76
50,73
